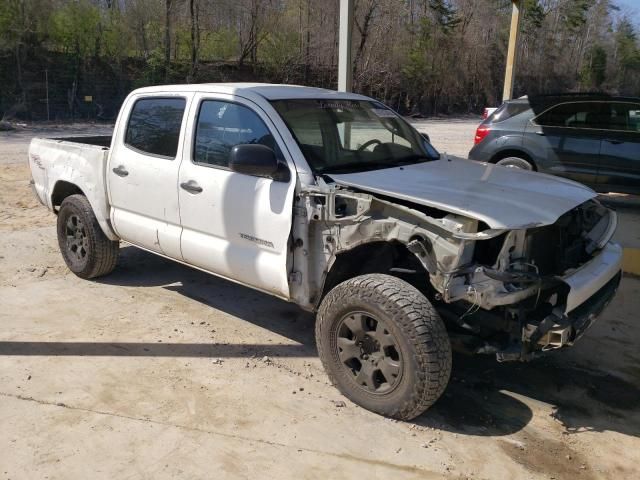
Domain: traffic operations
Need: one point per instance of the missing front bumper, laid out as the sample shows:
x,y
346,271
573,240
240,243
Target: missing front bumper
x,y
556,332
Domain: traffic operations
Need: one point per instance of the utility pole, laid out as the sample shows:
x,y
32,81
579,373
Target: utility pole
x,y
509,74
345,68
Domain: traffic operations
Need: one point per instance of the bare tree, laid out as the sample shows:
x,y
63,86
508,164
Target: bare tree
x,y
194,13
168,4
418,55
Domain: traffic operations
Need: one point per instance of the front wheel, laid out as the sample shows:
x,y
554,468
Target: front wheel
x,y
85,248
383,345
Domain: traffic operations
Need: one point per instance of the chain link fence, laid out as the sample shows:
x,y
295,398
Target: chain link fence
x,y
57,87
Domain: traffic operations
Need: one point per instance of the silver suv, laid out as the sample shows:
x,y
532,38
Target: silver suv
x,y
593,139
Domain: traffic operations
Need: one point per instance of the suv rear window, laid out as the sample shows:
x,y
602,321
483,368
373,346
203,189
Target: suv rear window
x,y
154,126
506,111
575,115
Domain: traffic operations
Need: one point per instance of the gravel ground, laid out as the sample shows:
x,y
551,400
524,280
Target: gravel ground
x,y
453,136
161,371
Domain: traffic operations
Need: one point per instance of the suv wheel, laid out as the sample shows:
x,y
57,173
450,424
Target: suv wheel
x,y
515,162
383,345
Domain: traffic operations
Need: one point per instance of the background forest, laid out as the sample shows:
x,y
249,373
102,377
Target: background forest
x,y
62,59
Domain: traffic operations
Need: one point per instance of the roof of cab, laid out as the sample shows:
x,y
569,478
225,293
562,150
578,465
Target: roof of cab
x,y
268,91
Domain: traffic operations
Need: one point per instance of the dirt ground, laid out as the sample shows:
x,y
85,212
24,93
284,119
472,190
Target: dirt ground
x,y
160,371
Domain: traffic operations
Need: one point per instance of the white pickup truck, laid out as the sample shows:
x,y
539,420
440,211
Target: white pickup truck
x,y
334,202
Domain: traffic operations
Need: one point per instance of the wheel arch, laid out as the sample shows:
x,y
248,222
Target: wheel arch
x,y
63,189
387,257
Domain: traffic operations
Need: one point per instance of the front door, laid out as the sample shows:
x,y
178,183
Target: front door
x,y
234,225
143,170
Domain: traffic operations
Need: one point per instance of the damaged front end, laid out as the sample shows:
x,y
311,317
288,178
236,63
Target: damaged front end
x,y
546,283
510,292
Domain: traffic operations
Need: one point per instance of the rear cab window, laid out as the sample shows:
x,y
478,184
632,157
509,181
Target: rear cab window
x,y
154,126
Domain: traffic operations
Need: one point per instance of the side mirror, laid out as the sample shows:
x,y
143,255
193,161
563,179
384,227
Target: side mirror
x,y
253,159
425,136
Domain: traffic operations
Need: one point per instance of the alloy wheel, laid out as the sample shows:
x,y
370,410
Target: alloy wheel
x,y
77,239
369,352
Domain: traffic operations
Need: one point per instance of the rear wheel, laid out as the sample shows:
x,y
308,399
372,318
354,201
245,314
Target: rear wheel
x,y
515,162
85,248
383,345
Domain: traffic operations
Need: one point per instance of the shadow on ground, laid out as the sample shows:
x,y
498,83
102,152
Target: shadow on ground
x,y
137,268
488,398
484,398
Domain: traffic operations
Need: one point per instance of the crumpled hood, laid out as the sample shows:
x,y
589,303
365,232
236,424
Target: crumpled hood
x,y
502,197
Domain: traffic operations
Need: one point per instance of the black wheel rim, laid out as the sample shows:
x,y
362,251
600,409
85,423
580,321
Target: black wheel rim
x,y
369,352
77,239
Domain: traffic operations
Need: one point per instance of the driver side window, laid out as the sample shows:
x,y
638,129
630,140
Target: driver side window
x,y
223,125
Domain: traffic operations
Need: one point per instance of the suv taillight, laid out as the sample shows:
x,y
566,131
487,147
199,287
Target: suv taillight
x,y
481,132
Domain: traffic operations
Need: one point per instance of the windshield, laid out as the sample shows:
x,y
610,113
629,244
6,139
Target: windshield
x,y
352,135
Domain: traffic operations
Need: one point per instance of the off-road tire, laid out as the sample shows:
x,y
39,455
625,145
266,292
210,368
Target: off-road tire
x,y
425,349
100,254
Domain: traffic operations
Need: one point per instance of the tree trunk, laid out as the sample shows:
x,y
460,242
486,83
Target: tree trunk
x,y
364,34
195,38
167,38
253,34
23,92
307,53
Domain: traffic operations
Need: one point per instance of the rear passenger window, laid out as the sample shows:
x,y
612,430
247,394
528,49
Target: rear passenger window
x,y
634,118
223,125
154,126
624,116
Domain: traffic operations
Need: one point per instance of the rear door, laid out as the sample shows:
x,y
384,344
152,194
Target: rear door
x,y
143,171
620,165
234,225
572,136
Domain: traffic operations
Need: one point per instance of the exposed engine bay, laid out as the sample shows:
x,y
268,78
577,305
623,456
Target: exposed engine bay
x,y
500,291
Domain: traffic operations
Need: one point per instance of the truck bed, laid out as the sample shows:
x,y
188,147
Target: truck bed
x,y
77,161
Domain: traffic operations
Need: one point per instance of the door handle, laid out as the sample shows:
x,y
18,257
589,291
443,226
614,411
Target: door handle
x,y
191,186
120,171
613,141
540,132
